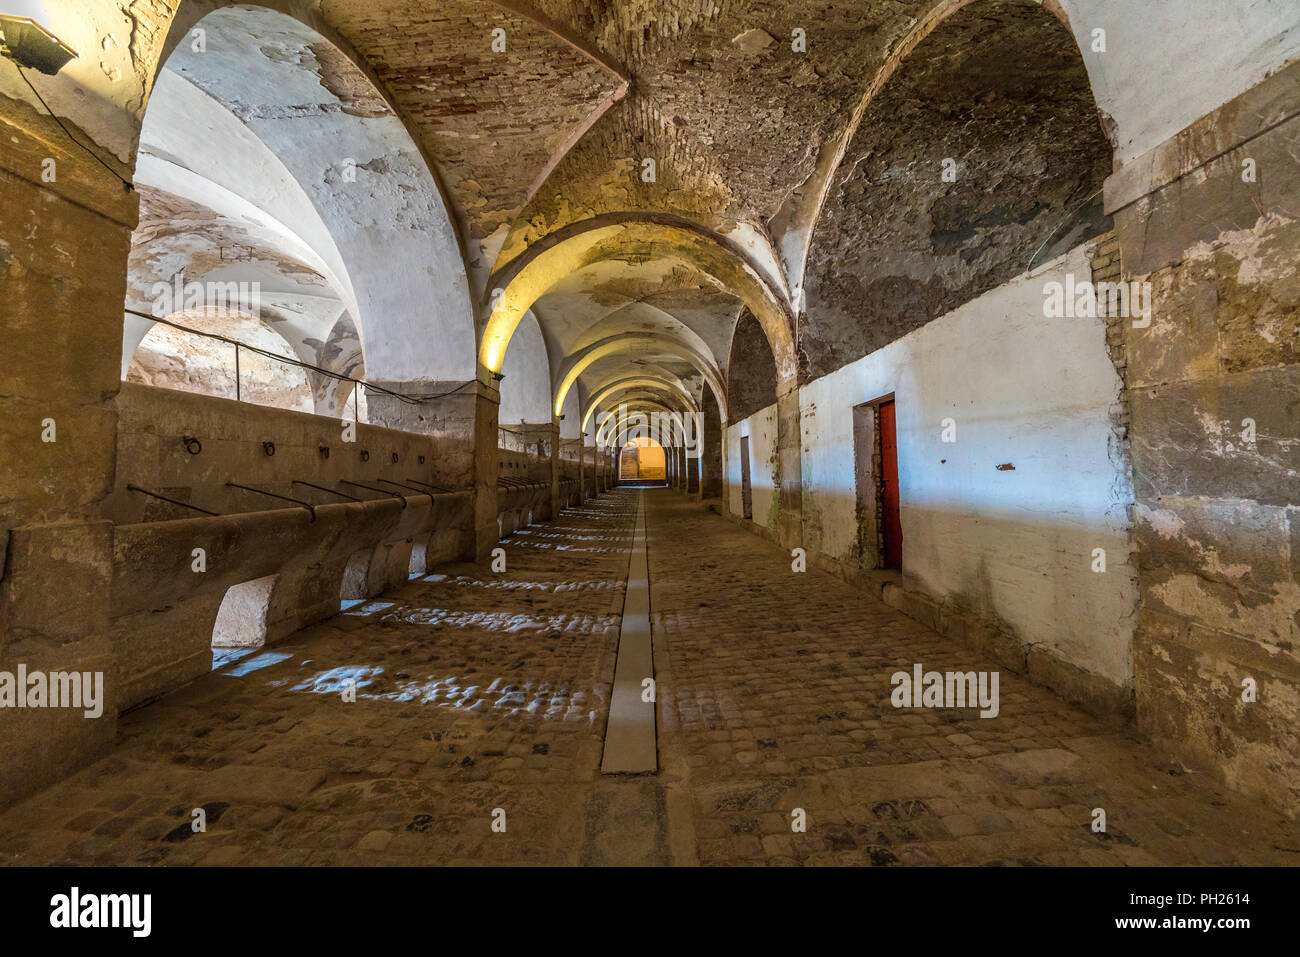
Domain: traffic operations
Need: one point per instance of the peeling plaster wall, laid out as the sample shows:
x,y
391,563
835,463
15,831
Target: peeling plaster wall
x,y
363,175
1192,55
1007,102
1218,513
1012,547
751,370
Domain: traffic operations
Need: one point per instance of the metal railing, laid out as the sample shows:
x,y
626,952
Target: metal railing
x,y
341,377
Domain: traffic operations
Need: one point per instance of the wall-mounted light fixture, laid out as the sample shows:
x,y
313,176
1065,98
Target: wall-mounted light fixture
x,y
497,376
29,44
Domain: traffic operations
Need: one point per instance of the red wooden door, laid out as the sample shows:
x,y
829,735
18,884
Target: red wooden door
x,y
746,492
889,486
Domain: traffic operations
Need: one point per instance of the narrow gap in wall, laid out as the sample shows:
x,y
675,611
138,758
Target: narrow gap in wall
x,y
240,627
356,587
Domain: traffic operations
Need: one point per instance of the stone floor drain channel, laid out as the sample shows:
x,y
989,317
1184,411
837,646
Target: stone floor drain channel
x,y
630,744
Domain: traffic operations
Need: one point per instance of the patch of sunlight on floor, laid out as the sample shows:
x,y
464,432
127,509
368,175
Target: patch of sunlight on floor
x,y
368,609
264,660
224,656
337,680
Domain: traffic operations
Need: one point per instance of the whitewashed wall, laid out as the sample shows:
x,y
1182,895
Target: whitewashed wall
x,y
1013,545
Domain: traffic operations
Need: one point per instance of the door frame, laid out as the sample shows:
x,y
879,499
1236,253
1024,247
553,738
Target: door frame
x,y
876,473
746,482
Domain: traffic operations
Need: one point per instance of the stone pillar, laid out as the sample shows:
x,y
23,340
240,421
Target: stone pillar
x,y
710,450
693,475
1212,432
582,468
555,469
464,423
486,532
789,465
63,257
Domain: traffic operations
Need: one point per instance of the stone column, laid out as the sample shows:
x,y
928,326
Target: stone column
x,y
485,532
1212,385
789,470
63,255
710,450
464,424
582,468
556,465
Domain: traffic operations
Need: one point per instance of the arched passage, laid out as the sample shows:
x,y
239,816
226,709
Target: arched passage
x,y
526,278
628,343
319,196
171,358
751,370
1001,166
642,459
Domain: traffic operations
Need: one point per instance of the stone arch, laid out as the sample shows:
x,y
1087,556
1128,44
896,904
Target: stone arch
x,y
751,369
663,385
1004,164
526,384
347,194
571,417
171,358
522,281
796,221
617,344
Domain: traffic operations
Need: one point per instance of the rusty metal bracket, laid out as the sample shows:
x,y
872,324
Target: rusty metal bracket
x,y
284,498
172,501
382,491
322,488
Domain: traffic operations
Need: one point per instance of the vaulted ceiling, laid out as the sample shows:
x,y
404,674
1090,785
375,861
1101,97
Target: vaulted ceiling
x,y
555,130
539,120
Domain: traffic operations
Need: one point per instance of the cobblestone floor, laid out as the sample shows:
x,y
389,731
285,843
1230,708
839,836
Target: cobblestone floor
x,y
775,693
478,691
475,691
